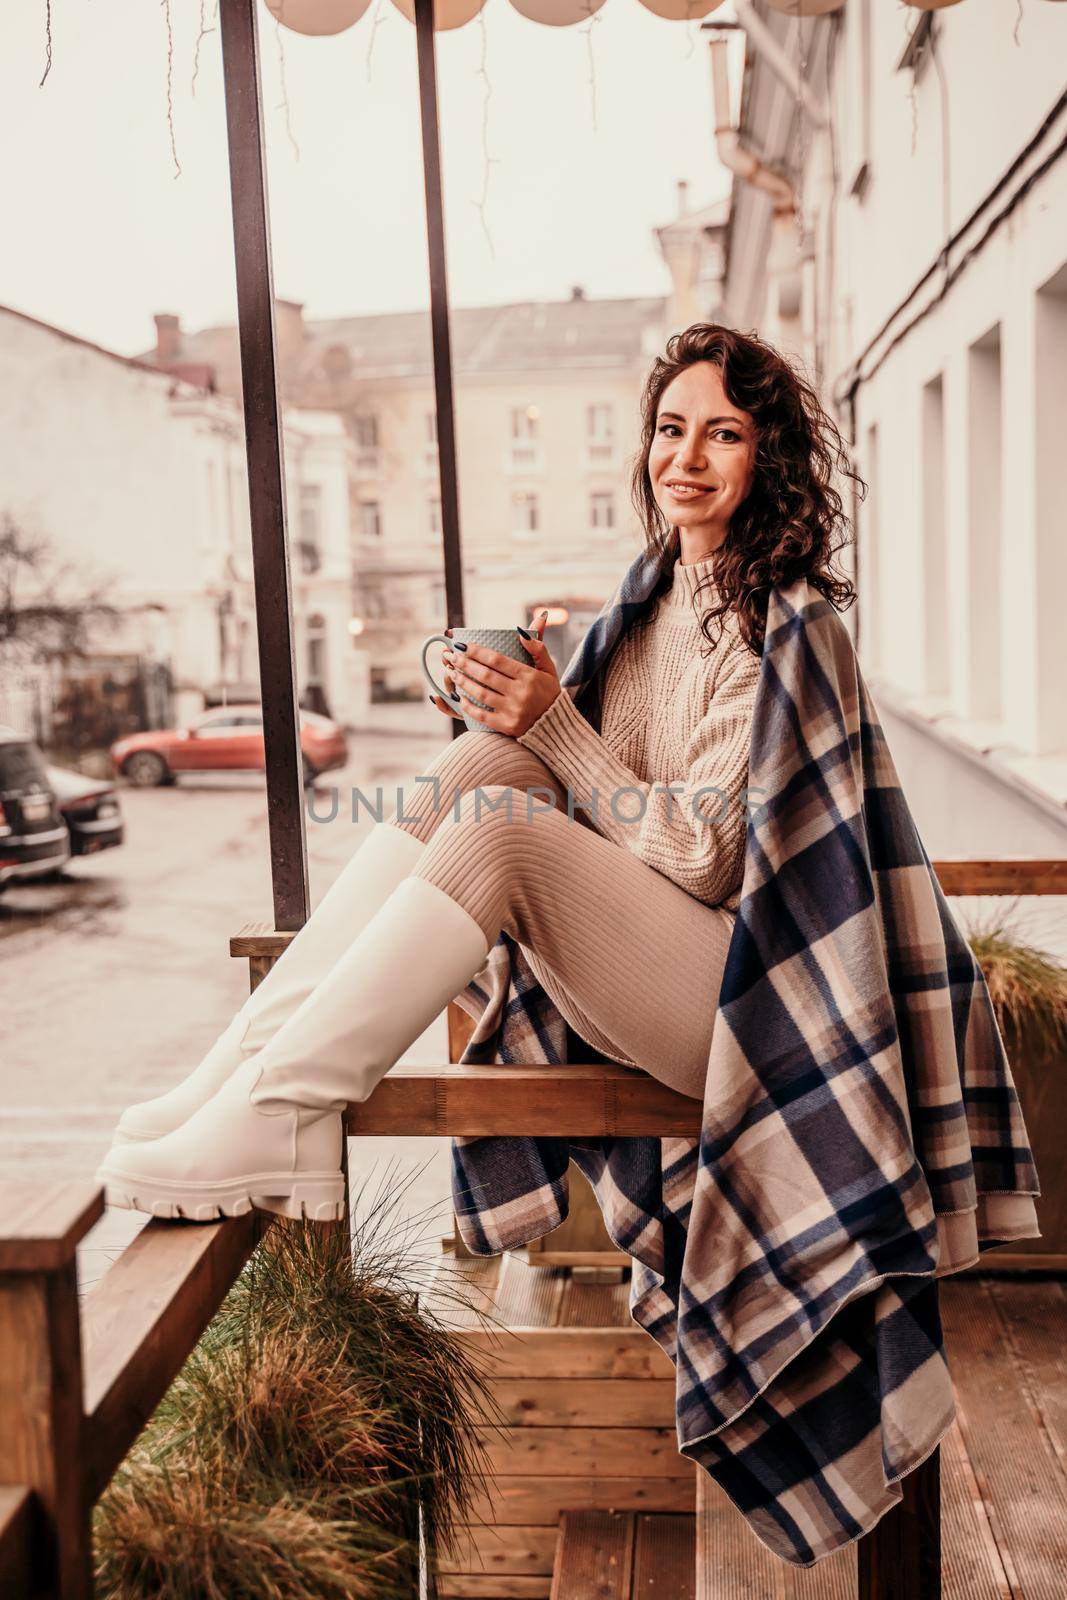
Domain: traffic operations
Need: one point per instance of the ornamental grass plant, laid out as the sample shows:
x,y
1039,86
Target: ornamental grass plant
x,y
1027,985
323,1430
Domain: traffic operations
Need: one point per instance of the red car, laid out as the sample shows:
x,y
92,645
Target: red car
x,y
227,739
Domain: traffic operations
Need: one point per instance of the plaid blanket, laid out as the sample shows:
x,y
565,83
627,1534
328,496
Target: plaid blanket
x,y
861,1132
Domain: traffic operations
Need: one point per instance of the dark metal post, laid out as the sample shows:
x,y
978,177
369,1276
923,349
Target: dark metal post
x,y
439,328
266,468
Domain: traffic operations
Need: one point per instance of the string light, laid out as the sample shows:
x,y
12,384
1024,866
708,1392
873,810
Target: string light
x,y
283,104
374,25
204,31
488,160
165,4
594,17
48,40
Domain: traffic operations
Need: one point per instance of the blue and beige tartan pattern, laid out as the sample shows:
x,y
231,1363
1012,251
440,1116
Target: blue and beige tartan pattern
x,y
861,1132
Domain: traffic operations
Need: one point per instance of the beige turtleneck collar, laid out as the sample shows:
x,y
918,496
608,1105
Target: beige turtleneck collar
x,y
687,579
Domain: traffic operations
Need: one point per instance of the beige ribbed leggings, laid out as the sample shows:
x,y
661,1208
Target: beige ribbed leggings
x,y
632,961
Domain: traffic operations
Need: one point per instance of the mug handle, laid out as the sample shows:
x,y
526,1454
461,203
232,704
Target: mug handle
x,y
435,638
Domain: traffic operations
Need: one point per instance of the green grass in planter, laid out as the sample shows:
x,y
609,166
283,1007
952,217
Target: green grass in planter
x,y
319,1410
1027,986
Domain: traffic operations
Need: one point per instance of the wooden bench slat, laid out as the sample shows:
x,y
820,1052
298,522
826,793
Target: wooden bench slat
x,y
957,875
518,1552
604,1453
539,1402
584,1101
665,1558
594,1556
538,1500
143,1319
42,1226
495,1586
1001,875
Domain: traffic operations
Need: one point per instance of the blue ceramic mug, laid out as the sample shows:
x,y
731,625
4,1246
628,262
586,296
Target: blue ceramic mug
x,y
505,641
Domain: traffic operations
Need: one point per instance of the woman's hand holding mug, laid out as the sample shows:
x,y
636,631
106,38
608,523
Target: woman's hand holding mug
x,y
515,694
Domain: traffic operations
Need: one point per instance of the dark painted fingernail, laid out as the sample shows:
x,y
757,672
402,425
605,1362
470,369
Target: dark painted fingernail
x,y
544,613
456,698
523,632
457,645
432,698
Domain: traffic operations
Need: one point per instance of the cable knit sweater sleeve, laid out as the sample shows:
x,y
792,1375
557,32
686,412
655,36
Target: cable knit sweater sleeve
x,y
695,833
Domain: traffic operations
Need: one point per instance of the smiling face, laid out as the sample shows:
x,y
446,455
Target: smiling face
x,y
702,460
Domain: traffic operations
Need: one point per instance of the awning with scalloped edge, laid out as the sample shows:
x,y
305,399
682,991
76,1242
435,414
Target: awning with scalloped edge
x,y
334,16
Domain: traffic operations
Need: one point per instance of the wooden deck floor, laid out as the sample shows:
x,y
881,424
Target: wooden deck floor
x,y
1003,1465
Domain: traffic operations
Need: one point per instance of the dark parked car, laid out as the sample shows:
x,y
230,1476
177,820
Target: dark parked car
x,y
90,808
34,839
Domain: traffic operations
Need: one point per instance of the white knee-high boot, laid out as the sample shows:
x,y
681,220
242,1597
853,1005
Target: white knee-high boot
x,y
382,861
272,1134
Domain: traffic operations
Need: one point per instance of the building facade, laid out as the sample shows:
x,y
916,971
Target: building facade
x,y
547,423
135,482
914,256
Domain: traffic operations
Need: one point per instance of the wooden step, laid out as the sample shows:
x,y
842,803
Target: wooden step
x,y
612,1555
588,1401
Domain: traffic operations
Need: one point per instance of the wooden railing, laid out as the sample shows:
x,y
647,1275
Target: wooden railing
x,y
78,1383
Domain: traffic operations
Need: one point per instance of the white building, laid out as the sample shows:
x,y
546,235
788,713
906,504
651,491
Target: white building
x,y
137,481
914,254
547,424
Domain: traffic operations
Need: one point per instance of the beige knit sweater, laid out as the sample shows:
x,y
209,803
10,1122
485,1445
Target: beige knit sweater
x,y
670,716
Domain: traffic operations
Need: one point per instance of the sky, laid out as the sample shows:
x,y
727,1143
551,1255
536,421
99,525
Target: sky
x,y
589,130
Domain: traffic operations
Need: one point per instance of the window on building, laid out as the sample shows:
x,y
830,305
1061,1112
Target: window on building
x,y
316,649
524,515
370,600
524,421
600,434
237,512
524,445
309,526
212,502
936,628
600,423
370,519
429,448
365,433
985,591
1050,425
602,511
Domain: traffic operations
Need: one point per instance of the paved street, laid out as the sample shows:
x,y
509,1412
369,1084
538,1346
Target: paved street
x,y
114,982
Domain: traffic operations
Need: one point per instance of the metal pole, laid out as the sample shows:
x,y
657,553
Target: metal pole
x,y
266,468
439,327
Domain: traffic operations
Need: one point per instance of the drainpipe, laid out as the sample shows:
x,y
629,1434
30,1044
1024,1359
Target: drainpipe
x,y
781,257
764,44
729,148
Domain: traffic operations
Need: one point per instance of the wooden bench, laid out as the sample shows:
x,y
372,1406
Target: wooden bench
x,y
78,1383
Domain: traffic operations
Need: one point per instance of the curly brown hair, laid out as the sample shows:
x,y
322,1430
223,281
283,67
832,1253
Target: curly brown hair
x,y
785,527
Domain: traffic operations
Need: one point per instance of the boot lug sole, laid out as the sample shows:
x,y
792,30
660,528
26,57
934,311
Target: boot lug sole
x,y
319,1199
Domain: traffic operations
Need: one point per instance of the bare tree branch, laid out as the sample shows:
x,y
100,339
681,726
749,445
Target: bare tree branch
x,y
46,612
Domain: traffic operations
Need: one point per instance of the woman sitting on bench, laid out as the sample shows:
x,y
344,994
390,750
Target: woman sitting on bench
x,y
614,857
